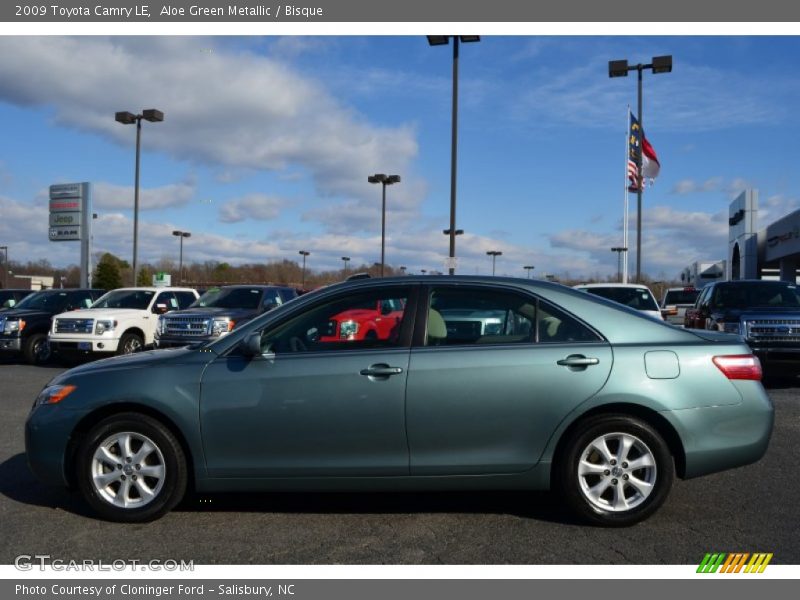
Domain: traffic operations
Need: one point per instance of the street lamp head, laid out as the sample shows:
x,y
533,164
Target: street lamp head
x,y
662,64
469,38
438,40
618,68
377,178
304,252
458,231
125,117
345,258
392,179
494,253
153,115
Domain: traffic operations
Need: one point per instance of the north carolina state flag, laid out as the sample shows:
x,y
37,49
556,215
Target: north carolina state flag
x,y
650,164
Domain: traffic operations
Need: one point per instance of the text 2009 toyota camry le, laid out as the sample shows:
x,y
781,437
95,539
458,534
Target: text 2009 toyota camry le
x,y
412,383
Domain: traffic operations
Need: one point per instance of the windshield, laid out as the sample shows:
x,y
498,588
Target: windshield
x,y
638,298
42,300
681,297
230,298
136,299
747,295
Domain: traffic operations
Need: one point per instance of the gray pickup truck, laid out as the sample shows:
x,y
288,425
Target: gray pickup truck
x,y
218,312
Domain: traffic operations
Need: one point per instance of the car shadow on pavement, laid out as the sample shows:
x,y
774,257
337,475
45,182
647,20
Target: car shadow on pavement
x,y
18,484
541,506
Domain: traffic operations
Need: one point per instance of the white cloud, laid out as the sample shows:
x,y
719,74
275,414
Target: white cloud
x,y
258,207
224,108
115,197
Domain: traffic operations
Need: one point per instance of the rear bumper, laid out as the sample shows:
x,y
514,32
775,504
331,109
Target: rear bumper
x,y
716,438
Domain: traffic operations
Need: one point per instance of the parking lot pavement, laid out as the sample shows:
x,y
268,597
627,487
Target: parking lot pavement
x,y
752,509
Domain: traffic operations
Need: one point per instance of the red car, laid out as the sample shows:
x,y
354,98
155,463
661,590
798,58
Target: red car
x,y
373,321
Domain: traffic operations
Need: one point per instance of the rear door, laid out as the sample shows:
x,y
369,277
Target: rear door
x,y
486,390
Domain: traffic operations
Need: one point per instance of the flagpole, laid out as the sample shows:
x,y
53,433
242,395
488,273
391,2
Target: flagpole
x,y
625,207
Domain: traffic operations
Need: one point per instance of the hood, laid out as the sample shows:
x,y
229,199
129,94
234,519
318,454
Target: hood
x,y
102,313
211,311
139,360
24,313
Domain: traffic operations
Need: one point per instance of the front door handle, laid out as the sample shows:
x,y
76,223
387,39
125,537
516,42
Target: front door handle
x,y
578,360
382,371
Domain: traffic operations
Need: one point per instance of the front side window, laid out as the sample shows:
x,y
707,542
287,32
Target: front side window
x,y
185,299
357,321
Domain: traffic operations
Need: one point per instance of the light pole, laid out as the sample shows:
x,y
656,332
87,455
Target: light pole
x,y
529,268
494,254
345,259
443,40
403,269
181,235
619,250
423,271
5,266
620,68
384,180
304,254
126,118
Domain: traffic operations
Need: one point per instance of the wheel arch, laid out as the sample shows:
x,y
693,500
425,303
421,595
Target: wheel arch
x,y
137,330
663,427
86,424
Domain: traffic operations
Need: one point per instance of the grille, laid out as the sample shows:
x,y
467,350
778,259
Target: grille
x,y
74,325
186,326
776,330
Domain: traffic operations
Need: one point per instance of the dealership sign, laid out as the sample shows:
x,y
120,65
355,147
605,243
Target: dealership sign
x,y
67,204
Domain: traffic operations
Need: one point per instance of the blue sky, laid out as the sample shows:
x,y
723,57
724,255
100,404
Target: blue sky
x,y
268,141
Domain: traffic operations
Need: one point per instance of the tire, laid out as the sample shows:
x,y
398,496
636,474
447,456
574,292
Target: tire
x,y
606,487
36,350
119,491
130,343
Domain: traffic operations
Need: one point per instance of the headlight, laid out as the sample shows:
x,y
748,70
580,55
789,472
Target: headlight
x,y
348,330
221,326
54,394
731,327
103,326
14,326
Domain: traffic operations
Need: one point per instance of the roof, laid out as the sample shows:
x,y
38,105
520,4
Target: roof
x,y
611,285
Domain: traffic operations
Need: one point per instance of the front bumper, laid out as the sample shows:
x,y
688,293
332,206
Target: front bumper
x,y
48,432
84,345
10,344
174,341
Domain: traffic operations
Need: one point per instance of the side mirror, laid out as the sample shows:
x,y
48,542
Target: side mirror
x,y
251,345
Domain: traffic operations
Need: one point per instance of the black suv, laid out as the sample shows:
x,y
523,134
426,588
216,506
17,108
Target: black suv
x,y
23,329
218,312
765,313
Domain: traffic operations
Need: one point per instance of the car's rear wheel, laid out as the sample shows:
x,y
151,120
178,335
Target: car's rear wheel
x,y
130,343
37,349
131,468
615,470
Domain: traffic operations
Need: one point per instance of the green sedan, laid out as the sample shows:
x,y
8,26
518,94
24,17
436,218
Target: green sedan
x,y
474,383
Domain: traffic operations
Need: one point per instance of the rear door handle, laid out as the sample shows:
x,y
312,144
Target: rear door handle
x,y
381,370
577,360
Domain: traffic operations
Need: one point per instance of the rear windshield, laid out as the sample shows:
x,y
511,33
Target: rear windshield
x,y
681,296
638,298
765,294
230,298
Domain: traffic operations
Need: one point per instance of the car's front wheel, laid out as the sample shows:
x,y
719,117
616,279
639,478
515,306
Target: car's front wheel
x,y
130,343
615,470
131,468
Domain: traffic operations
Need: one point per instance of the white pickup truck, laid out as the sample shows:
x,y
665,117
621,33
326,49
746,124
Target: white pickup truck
x,y
122,321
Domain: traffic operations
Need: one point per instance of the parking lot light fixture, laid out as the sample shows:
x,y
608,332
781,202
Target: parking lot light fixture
x,y
384,180
127,118
181,235
529,268
620,68
494,254
442,40
304,253
345,260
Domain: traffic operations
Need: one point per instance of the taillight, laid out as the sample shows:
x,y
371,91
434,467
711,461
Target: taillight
x,y
739,366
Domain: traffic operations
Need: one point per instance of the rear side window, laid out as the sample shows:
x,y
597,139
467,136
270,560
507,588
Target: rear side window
x,y
184,299
638,298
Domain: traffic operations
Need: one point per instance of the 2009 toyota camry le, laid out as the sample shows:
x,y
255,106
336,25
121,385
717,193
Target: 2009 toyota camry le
x,y
411,383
